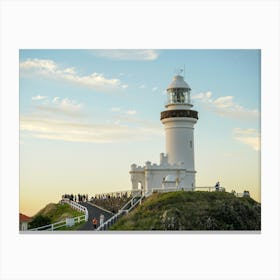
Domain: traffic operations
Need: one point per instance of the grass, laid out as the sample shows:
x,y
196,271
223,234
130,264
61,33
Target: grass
x,y
59,212
74,227
193,211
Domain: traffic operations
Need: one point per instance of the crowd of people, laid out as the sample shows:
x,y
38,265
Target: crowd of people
x,y
112,202
77,197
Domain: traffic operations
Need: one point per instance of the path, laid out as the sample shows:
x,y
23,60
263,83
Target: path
x,y
93,212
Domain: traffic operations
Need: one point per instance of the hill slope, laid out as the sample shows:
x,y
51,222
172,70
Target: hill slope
x,y
193,211
58,212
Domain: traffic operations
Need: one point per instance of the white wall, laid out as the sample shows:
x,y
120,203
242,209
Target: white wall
x,y
178,135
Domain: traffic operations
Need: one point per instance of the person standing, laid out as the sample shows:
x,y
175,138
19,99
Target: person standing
x,y
94,222
217,186
102,217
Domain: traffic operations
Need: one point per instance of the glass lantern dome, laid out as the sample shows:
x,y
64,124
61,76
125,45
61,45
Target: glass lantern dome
x,y
178,91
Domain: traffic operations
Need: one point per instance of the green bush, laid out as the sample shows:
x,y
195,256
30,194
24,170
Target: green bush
x,y
40,221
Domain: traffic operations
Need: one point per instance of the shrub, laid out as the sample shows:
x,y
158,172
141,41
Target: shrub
x,y
40,221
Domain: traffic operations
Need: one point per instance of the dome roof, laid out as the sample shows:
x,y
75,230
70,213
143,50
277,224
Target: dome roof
x,y
170,178
178,82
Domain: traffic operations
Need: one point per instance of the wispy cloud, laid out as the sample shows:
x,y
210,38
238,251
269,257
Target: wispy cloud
x,y
121,111
60,106
226,107
250,137
117,131
127,54
50,69
52,122
154,88
39,97
131,112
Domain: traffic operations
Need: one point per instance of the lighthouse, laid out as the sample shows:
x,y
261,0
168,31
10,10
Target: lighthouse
x,y
176,169
179,120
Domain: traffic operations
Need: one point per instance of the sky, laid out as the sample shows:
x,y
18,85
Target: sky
x,y
87,115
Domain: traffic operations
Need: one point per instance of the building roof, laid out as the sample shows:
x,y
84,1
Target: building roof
x,y
178,82
24,218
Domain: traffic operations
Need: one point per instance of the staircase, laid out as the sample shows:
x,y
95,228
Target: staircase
x,y
136,200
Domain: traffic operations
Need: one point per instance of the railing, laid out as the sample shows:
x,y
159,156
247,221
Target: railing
x,y
162,190
68,222
243,194
210,189
137,199
165,190
76,206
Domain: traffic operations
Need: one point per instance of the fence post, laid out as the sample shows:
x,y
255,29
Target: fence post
x,y
52,227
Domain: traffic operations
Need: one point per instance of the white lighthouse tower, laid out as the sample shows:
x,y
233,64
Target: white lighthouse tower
x,y
176,168
179,120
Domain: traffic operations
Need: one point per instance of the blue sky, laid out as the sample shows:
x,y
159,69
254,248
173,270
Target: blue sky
x,y
86,115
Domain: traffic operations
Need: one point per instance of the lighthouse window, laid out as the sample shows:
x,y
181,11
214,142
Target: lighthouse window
x,y
191,144
177,96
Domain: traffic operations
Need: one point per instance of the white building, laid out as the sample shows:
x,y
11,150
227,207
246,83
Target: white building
x,y
176,167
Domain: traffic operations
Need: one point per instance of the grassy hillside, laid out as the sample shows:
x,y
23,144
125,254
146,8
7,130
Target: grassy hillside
x,y
193,211
58,212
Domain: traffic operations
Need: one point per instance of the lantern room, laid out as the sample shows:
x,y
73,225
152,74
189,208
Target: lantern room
x,y
178,91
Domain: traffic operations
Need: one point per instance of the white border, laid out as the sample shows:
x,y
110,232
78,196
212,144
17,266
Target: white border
x,y
155,24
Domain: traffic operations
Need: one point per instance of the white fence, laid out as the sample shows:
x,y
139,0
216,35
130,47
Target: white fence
x,y
210,189
76,206
68,222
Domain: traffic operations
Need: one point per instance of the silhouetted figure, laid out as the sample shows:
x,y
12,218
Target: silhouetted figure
x,y
217,186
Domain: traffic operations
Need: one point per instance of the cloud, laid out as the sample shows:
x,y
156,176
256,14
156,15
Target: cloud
x,y
203,96
63,106
67,105
226,107
224,102
154,88
127,54
131,112
39,97
50,69
121,112
42,64
250,137
54,129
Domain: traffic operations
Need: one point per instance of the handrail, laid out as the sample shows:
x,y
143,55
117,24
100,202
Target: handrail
x,y
129,202
121,212
76,206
